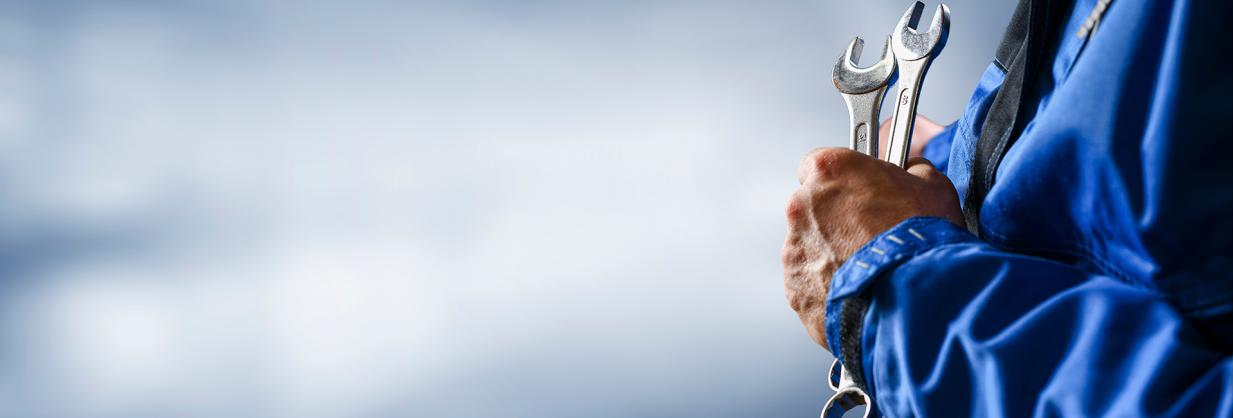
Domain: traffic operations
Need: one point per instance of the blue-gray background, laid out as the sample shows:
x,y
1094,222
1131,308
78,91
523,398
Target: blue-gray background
x,y
419,209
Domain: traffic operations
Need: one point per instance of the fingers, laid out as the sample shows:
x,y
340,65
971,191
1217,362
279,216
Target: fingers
x,y
945,203
793,254
923,131
922,134
923,169
926,127
884,137
798,212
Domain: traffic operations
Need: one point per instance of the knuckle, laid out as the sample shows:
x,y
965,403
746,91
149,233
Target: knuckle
x,y
792,254
800,300
919,163
800,287
921,172
827,162
925,170
800,205
796,209
794,301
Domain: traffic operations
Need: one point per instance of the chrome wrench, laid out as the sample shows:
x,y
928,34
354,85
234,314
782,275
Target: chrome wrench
x,y
914,51
863,90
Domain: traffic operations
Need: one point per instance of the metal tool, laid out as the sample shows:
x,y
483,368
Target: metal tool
x,y
863,90
914,51
907,54
847,396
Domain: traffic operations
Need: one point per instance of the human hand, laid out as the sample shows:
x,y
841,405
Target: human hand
x,y
923,131
845,199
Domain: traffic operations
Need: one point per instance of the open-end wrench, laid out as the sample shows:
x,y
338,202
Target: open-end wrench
x,y
913,53
862,90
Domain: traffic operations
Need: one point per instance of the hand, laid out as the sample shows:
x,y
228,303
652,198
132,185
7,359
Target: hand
x,y
845,199
923,131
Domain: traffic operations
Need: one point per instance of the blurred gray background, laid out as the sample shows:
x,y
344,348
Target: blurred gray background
x,y
419,209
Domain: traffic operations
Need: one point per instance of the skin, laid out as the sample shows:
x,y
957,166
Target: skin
x,y
923,131
845,199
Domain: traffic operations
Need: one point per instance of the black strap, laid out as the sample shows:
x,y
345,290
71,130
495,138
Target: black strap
x,y
851,323
1015,36
1030,38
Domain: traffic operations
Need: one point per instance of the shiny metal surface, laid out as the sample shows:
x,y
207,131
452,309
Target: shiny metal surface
x,y
914,51
847,395
907,54
850,79
863,90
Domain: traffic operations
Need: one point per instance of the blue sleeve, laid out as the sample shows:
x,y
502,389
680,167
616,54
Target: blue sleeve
x,y
953,327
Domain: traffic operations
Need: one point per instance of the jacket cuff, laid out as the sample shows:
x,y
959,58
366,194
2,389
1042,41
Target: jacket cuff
x,y
848,300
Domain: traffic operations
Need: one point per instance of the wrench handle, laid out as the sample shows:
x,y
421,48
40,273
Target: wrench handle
x,y
864,110
907,93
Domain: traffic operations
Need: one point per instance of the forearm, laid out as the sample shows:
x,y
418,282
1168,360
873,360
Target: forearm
x,y
957,328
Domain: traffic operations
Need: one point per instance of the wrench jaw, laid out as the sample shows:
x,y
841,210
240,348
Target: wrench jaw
x,y
862,89
850,79
909,44
915,51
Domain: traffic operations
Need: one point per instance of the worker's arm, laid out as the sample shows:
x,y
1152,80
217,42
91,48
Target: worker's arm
x,y
951,326
957,328
845,199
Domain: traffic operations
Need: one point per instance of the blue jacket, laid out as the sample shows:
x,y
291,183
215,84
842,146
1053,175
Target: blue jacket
x,y
1095,277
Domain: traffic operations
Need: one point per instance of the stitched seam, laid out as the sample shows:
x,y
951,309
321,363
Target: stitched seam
x,y
898,257
851,332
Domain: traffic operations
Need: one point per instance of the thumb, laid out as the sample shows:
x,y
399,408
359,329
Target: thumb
x,y
944,202
923,168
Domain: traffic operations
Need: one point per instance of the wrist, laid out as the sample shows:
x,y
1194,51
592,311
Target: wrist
x,y
847,300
